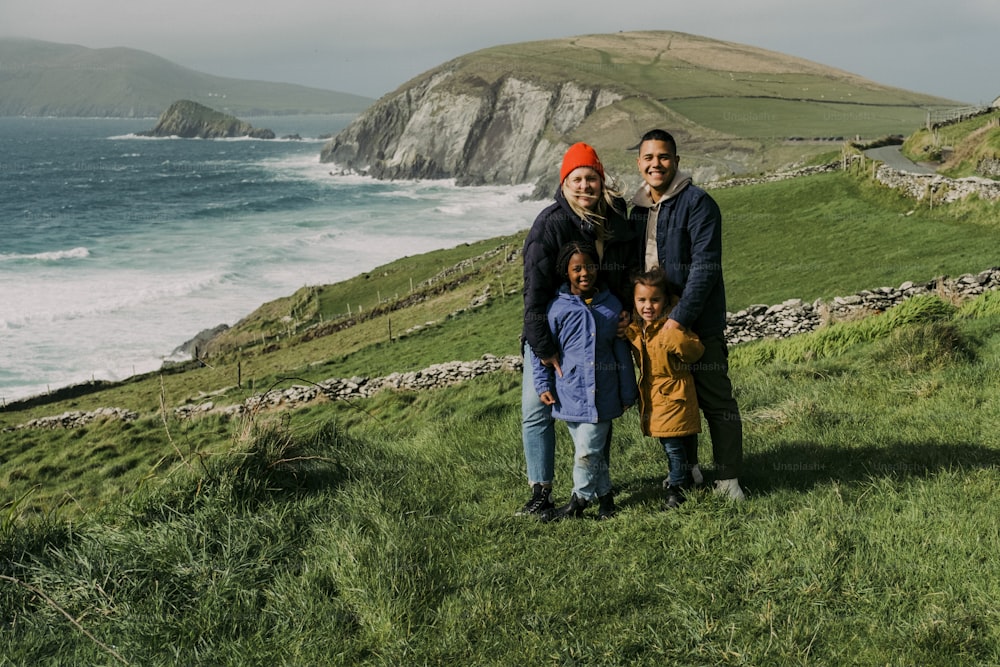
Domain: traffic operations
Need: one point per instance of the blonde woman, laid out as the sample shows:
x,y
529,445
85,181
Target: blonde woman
x,y
585,210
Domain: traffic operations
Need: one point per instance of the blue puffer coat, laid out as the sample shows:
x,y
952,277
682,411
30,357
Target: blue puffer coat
x,y
598,380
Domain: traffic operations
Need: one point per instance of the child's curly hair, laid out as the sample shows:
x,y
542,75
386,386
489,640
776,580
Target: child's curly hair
x,y
572,248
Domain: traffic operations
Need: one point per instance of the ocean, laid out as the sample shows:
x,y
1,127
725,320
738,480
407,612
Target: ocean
x,y
116,249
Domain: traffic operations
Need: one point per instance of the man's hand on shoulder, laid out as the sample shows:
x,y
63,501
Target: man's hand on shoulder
x,y
624,319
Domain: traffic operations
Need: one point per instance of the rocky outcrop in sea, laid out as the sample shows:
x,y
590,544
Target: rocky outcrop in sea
x,y
190,120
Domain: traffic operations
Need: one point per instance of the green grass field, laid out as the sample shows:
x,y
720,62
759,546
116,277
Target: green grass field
x,y
381,531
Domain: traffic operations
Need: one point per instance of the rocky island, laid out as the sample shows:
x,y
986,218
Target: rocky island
x,y
190,120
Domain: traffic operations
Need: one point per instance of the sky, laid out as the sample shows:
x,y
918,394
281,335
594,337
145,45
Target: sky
x,y
371,47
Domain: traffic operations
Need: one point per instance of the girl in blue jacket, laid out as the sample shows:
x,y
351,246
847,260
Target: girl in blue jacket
x,y
595,382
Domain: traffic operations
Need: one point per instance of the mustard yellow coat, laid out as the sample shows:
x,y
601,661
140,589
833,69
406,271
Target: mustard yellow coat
x,y
668,404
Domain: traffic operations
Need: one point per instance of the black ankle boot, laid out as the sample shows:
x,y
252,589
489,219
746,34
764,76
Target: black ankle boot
x,y
573,509
606,509
540,501
674,498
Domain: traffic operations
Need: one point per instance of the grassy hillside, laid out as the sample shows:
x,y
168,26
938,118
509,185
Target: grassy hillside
x,y
47,79
957,149
380,531
729,104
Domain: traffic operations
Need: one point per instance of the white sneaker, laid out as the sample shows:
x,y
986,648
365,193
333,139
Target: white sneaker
x,y
729,488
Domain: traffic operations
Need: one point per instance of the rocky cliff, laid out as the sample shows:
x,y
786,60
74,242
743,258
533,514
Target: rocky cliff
x,y
190,120
452,125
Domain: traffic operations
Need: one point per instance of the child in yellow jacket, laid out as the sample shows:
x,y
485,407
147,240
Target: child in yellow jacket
x,y
668,405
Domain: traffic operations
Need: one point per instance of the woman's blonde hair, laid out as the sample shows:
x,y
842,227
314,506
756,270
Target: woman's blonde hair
x,y
597,217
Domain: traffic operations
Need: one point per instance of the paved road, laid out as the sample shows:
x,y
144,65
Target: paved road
x,y
892,157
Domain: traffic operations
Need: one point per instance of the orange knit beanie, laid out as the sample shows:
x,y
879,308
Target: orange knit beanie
x,y
580,155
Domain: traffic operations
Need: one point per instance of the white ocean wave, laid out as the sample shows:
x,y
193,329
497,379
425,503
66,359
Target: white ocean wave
x,y
51,256
96,297
429,190
140,137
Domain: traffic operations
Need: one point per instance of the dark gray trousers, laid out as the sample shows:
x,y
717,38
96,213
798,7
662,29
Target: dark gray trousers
x,y
715,398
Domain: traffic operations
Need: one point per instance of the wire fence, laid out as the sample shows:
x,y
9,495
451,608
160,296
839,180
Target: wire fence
x,y
940,117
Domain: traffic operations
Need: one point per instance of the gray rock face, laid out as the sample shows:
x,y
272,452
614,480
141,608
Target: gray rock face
x,y
192,347
506,132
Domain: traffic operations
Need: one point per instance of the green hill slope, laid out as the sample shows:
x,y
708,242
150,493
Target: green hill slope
x,y
735,89
48,79
967,148
812,237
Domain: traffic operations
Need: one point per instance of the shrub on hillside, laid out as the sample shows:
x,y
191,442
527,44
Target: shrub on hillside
x,y
985,305
923,347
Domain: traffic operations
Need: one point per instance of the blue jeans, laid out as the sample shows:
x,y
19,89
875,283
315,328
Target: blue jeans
x,y
538,432
677,455
538,429
591,477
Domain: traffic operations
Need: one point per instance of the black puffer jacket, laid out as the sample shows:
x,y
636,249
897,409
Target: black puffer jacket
x,y
554,227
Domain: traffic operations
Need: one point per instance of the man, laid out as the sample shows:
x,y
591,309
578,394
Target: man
x,y
684,236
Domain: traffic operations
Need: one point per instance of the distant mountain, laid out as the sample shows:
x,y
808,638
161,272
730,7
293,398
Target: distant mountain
x,y
47,79
506,114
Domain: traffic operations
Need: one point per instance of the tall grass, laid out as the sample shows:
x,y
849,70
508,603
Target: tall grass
x,y
381,532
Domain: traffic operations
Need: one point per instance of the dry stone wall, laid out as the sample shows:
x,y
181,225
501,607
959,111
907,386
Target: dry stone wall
x,y
939,189
989,167
77,418
795,316
432,377
936,188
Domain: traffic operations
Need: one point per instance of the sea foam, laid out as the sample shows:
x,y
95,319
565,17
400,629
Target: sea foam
x,y
51,256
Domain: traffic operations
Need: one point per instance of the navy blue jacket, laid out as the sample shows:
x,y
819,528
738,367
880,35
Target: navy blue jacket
x,y
554,227
689,245
598,380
